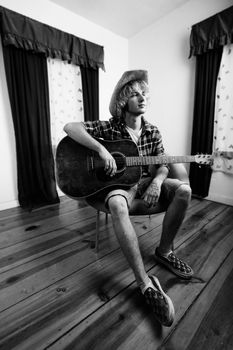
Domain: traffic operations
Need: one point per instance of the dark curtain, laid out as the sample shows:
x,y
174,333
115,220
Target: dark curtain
x,y
90,86
212,33
28,34
27,82
207,67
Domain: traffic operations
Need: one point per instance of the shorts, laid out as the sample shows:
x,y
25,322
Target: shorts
x,y
167,194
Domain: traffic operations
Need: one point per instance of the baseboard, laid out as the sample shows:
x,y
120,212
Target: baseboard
x,y
15,203
9,205
220,199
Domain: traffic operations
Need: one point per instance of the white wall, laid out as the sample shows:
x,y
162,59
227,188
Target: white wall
x,y
221,188
163,49
116,61
8,180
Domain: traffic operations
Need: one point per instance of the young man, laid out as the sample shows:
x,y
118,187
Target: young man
x,y
128,106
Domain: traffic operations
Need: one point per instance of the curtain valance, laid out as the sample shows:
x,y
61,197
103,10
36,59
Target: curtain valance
x,y
28,34
212,33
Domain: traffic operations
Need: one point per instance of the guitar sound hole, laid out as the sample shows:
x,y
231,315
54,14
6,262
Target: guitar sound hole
x,y
121,165
120,161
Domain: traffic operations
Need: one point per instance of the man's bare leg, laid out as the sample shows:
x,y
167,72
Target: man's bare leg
x,y
154,295
174,218
127,237
172,221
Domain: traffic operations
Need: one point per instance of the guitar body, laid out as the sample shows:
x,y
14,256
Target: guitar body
x,y
80,171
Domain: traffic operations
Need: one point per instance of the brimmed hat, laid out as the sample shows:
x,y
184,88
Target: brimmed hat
x,y
125,79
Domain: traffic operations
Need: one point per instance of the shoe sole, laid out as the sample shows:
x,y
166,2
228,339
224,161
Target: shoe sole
x,y
157,285
169,267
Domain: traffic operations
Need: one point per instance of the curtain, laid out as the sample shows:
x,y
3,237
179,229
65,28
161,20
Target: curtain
x,y
25,33
27,82
223,121
90,86
207,67
207,40
212,33
65,96
26,45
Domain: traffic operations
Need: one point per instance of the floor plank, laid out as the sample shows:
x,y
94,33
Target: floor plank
x,y
57,293
28,278
208,323
183,294
25,231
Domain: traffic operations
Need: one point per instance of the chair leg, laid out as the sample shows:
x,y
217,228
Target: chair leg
x,y
97,231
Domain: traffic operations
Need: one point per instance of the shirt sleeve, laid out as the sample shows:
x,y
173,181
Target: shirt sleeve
x,y
159,148
97,128
158,143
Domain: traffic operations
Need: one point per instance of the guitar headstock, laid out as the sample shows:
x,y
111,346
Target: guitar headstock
x,y
204,159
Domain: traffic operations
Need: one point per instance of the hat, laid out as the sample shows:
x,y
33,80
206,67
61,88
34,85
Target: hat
x,y
125,79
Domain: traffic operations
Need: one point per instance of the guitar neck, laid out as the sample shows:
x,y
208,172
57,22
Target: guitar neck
x,y
157,160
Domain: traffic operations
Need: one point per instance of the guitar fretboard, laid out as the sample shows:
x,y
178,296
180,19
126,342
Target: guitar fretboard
x,y
149,160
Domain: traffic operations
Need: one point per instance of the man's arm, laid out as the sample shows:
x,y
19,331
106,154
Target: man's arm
x,y
152,193
161,174
78,133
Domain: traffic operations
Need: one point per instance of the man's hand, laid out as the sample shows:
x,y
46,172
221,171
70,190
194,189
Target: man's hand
x,y
152,193
109,162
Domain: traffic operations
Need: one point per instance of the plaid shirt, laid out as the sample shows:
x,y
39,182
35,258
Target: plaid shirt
x,y
150,141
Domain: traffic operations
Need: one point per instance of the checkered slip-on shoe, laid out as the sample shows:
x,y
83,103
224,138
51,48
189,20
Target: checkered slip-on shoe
x,y
174,264
160,303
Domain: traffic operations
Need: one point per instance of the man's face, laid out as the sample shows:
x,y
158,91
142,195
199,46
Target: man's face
x,y
137,102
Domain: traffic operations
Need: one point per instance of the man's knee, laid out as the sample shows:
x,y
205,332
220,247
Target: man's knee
x,y
184,193
118,205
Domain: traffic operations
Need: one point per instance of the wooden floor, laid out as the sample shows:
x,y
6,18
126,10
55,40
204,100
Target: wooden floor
x,y
57,293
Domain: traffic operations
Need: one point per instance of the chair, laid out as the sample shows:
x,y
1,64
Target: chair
x,y
177,171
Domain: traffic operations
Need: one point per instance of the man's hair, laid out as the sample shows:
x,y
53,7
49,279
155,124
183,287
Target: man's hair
x,y
127,91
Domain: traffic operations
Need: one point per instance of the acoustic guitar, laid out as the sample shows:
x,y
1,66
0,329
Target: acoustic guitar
x,y
80,171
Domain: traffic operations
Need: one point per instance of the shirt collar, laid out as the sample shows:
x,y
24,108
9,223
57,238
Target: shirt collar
x,y
146,126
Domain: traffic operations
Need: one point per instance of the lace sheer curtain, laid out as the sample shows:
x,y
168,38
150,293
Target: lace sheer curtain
x,y
65,95
223,121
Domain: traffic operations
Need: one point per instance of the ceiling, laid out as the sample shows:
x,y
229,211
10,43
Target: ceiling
x,y
123,17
